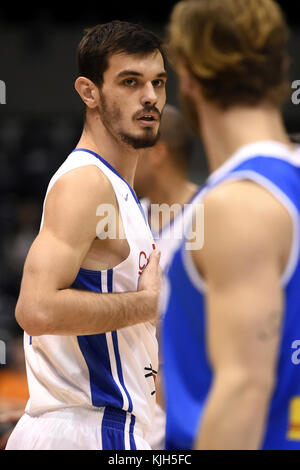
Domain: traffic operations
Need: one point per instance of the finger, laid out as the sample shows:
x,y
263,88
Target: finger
x,y
155,256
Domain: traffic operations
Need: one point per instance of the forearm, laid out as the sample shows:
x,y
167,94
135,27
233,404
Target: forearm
x,y
233,419
79,312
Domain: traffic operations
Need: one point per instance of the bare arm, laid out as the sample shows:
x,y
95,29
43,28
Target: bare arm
x,y
46,304
242,260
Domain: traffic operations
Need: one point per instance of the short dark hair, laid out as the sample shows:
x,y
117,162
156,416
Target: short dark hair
x,y
104,40
295,138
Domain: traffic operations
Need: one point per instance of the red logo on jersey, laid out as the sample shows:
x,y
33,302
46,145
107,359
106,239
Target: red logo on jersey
x,y
143,261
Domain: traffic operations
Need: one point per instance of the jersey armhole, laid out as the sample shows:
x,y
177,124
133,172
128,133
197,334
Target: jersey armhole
x,y
293,258
286,202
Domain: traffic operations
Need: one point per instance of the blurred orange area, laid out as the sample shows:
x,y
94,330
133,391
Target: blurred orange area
x,y
13,389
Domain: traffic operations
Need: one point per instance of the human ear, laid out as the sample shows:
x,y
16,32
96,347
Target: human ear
x,y
88,91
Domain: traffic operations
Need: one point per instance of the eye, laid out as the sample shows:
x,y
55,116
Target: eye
x,y
158,83
130,82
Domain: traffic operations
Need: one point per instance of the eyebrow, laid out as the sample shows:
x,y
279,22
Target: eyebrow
x,y
125,73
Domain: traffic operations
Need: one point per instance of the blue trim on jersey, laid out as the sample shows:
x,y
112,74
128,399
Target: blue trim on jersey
x,y
110,280
116,173
114,335
187,369
131,433
104,390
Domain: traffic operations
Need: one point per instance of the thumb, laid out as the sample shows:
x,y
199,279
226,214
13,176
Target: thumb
x,y
155,257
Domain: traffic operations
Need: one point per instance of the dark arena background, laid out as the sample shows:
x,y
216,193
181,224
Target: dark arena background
x,y
41,122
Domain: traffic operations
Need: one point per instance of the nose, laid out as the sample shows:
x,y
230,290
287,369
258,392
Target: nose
x,y
149,96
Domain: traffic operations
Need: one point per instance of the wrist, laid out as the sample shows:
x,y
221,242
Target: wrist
x,y
149,304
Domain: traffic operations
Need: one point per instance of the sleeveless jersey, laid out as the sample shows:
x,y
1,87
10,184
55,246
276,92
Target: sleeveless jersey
x,y
115,369
188,372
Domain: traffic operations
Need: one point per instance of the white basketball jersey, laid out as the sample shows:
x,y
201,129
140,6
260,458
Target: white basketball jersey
x,y
115,369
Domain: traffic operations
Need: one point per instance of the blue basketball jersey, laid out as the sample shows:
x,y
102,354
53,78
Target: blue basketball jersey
x,y
188,373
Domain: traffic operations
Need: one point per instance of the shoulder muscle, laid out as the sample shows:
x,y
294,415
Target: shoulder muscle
x,y
245,225
71,205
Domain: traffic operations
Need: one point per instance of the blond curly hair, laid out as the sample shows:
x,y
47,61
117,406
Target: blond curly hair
x,y
237,49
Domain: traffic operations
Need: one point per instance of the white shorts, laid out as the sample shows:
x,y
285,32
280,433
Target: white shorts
x,y
78,429
156,437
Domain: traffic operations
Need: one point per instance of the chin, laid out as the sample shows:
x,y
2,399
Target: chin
x,y
145,140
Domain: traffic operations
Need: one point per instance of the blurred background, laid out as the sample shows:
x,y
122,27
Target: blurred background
x,y
41,123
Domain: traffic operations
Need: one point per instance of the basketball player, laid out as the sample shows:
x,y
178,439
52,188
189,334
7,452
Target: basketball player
x,y
232,319
162,181
161,178
88,303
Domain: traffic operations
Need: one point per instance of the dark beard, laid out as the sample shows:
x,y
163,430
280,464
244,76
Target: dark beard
x,y
107,117
140,142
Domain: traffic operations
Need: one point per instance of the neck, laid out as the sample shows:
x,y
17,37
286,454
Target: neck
x,y
224,132
123,158
171,188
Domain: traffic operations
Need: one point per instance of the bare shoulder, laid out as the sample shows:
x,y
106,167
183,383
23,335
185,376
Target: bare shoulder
x,y
244,194
87,182
72,203
244,222
244,202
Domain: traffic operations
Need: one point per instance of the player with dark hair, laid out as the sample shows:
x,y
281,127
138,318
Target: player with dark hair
x,y
89,295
